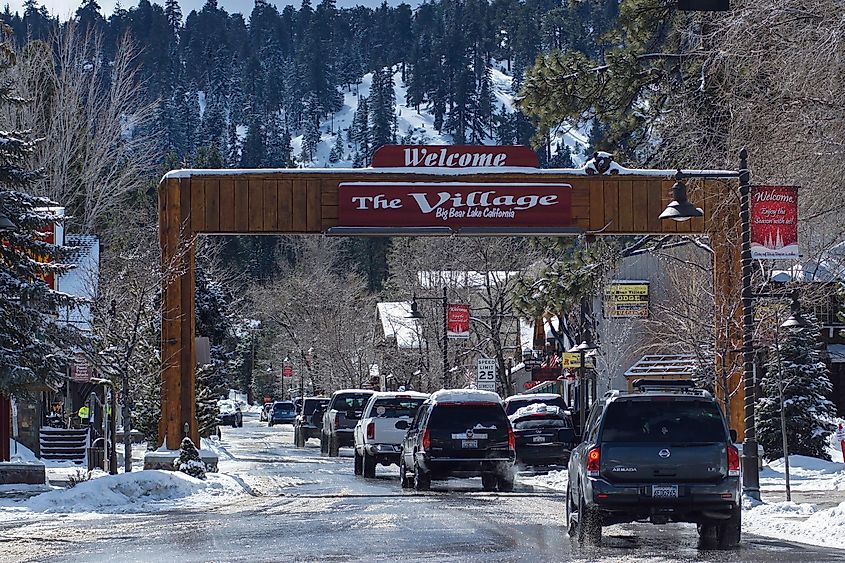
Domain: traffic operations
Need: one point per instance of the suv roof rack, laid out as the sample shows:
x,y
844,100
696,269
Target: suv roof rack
x,y
668,386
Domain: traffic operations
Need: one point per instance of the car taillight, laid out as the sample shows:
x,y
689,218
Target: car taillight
x,y
426,440
593,462
371,431
733,461
337,419
511,439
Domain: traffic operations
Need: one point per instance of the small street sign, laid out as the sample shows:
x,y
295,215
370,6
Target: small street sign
x,y
485,374
287,371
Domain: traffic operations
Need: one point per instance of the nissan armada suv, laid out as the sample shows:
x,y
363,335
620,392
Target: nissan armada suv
x,y
662,454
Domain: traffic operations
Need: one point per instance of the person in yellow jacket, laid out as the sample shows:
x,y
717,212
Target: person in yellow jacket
x,y
84,412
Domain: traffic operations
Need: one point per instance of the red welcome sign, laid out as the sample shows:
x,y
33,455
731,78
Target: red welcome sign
x,y
457,321
454,204
454,156
774,222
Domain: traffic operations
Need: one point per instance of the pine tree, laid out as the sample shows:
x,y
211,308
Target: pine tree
x,y
34,349
796,380
360,131
189,460
337,150
310,140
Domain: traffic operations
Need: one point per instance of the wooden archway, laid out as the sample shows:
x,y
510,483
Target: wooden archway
x,y
618,202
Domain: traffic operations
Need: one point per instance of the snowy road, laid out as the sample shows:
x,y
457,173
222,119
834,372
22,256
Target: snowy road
x,y
299,506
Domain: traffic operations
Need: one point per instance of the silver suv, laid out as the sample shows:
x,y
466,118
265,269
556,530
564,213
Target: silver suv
x,y
663,454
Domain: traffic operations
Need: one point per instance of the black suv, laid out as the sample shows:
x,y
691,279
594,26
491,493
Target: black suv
x,y
544,435
459,433
309,421
663,453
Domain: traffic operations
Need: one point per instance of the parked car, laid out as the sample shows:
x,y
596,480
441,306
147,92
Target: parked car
x,y
459,433
516,402
283,412
378,435
662,453
265,412
544,435
229,413
342,414
309,421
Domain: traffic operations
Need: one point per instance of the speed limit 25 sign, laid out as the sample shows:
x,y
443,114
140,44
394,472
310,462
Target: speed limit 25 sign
x,y
485,374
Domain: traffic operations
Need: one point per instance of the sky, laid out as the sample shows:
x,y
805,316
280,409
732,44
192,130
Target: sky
x,y
64,8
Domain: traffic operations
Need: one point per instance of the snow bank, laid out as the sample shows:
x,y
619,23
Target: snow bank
x,y
142,491
805,474
784,520
465,396
555,480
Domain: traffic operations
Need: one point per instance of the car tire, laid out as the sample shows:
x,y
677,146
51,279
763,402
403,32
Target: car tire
x,y
240,422
234,423
269,425
404,480
571,512
422,480
323,444
334,447
708,533
359,462
369,465
589,523
729,532
488,482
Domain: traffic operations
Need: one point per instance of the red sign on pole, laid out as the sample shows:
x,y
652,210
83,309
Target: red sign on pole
x,y
774,222
454,156
287,371
454,204
80,369
457,317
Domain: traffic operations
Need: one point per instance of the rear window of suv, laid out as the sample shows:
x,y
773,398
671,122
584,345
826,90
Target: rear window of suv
x,y
395,407
538,422
351,401
311,406
663,421
465,416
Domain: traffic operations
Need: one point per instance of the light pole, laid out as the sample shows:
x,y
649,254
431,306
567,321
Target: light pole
x,y
415,314
681,210
582,350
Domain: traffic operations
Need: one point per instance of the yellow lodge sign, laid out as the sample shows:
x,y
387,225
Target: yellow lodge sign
x,y
626,300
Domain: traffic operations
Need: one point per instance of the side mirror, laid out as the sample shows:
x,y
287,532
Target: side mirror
x,y
733,435
401,425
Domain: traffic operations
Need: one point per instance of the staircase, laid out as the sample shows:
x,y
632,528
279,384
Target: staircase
x,y
59,444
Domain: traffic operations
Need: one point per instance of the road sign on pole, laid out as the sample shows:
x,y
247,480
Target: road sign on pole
x,y
287,371
485,374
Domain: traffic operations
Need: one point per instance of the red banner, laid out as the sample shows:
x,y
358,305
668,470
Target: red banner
x,y
80,369
454,204
454,156
457,317
774,222
287,371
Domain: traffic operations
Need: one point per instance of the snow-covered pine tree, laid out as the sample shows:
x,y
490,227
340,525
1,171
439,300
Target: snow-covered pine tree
x,y
33,348
337,150
360,130
189,460
805,382
310,139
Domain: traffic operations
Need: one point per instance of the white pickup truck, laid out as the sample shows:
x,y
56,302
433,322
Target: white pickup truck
x,y
379,433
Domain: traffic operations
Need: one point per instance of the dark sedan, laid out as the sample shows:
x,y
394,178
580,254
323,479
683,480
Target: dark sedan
x,y
544,435
284,412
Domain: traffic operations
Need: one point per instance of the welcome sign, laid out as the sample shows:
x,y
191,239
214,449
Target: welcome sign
x,y
454,204
774,222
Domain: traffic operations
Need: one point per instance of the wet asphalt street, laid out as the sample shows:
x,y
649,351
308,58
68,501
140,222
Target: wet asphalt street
x,y
303,507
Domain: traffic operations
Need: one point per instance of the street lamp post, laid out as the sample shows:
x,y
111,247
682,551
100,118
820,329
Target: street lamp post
x,y
681,210
582,350
415,314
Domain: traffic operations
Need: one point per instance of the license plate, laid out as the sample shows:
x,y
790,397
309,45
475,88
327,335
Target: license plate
x,y
469,443
538,439
664,491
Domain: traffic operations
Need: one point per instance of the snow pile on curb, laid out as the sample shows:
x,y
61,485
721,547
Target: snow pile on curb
x,y
142,491
805,474
552,480
788,521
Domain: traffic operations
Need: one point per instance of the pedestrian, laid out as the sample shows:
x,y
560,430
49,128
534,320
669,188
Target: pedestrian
x,y
84,413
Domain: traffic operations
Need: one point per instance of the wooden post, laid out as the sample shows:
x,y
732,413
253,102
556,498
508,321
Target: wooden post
x,y
5,428
178,369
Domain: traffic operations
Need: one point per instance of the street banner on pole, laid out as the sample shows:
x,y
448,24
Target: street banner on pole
x,y
287,371
457,317
774,222
626,300
485,374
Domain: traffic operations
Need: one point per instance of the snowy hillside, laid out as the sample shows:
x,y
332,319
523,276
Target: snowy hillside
x,y
414,127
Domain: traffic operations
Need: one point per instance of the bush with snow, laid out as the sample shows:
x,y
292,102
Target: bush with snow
x,y
189,460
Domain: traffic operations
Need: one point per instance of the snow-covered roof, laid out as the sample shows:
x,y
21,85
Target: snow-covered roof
x,y
397,325
536,408
403,394
465,396
535,396
469,278
339,391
